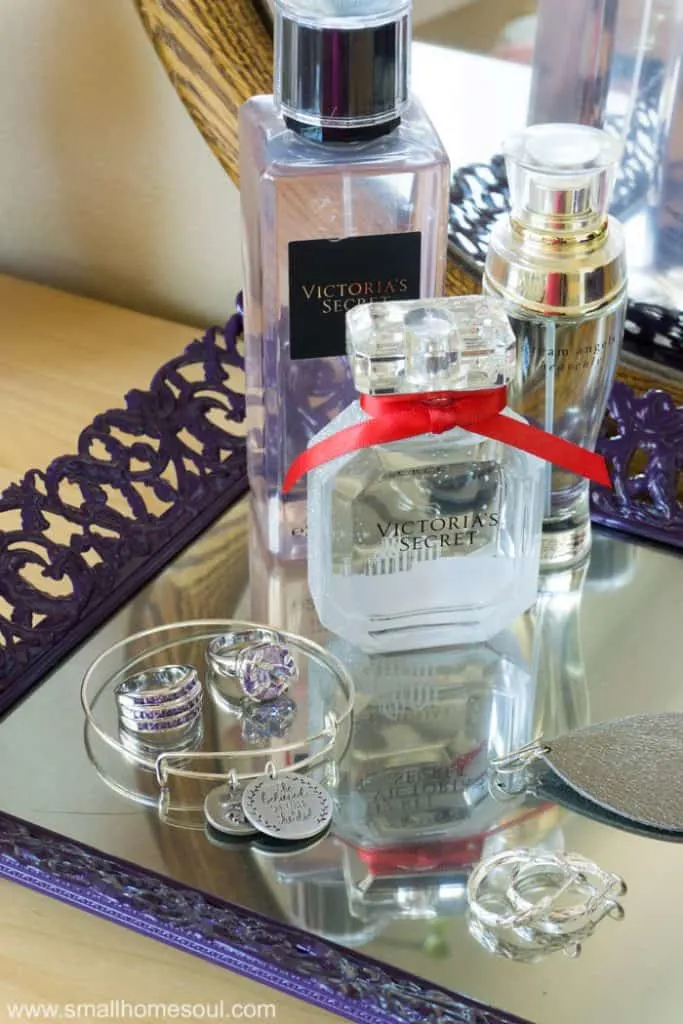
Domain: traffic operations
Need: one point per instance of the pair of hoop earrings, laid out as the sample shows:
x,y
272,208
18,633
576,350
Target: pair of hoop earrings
x,y
525,904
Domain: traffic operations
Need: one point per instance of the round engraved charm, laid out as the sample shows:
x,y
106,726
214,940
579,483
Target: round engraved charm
x,y
290,807
223,811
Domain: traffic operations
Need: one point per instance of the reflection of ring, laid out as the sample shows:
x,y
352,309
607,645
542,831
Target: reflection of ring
x,y
263,723
258,659
150,744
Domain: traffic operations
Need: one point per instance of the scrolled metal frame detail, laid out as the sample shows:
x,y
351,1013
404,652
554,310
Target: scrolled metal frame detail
x,y
642,440
174,446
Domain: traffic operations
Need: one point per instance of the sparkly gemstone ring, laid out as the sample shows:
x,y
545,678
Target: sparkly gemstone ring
x,y
258,659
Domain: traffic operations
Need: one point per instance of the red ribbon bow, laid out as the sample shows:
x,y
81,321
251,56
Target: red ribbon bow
x,y
397,417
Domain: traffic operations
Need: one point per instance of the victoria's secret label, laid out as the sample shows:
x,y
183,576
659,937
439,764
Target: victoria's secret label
x,y
437,532
328,277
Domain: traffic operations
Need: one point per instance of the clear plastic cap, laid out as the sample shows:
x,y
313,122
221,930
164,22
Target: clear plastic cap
x,y
562,173
458,344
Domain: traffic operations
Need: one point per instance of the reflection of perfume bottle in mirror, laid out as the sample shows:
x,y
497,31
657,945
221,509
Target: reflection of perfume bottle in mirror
x,y
311,888
558,262
344,186
433,539
427,724
279,594
413,804
613,563
562,702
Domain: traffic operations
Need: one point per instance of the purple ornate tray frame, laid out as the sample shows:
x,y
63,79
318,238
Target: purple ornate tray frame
x,y
644,502
302,965
177,439
165,442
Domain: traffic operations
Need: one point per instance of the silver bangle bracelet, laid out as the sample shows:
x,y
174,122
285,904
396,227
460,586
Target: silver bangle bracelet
x,y
108,681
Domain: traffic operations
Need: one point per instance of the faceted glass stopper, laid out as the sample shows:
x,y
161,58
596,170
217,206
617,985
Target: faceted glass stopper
x,y
266,671
457,344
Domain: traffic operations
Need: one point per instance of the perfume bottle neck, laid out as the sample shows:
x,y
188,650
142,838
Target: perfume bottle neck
x,y
549,272
340,136
550,231
342,85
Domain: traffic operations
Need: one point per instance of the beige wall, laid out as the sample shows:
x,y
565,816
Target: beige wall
x,y
106,187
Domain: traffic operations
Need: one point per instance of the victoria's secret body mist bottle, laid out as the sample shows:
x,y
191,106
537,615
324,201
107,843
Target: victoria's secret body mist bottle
x,y
344,186
558,262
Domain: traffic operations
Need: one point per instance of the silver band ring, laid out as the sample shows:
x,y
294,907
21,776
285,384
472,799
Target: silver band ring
x,y
513,861
597,891
157,686
553,878
160,703
163,709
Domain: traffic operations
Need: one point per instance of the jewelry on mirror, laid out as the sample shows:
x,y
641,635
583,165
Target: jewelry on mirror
x,y
526,904
508,775
178,774
224,812
259,660
607,772
160,704
290,808
158,687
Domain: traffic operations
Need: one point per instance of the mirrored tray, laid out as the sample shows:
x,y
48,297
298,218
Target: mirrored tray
x,y
412,811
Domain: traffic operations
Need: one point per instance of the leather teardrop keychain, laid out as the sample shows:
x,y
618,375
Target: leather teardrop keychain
x,y
627,773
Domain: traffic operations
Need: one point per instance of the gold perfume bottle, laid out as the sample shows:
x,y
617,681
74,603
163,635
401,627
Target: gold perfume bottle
x,y
558,263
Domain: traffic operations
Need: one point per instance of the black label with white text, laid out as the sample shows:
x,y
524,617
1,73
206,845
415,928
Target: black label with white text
x,y
328,277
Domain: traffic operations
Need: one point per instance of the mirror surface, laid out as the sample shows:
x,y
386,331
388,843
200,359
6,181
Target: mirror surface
x,y
413,812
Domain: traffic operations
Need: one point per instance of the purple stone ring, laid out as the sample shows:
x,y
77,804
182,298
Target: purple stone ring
x,y
258,659
162,702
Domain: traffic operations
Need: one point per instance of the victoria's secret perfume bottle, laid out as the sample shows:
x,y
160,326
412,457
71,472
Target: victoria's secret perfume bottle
x,y
558,262
434,539
344,186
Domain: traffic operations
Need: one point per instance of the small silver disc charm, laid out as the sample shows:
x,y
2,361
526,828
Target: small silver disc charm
x,y
288,807
223,811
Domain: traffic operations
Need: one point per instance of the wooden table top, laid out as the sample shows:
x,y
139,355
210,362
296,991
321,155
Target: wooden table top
x,y
63,360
